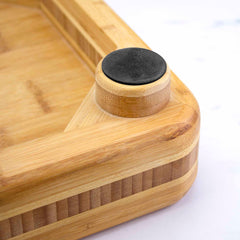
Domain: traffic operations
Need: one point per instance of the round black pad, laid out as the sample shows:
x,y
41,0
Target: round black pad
x,y
134,66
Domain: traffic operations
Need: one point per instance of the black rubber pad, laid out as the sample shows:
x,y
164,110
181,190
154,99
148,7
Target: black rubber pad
x,y
134,66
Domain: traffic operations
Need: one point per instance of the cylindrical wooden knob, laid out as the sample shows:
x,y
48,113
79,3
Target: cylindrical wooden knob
x,y
132,82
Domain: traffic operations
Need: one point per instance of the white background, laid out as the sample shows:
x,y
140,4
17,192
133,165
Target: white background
x,y
200,40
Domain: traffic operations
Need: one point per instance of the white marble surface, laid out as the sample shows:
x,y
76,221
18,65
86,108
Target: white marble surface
x,y
200,40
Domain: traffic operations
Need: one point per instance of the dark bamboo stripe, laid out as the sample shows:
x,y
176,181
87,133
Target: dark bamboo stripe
x,y
62,209
73,206
39,216
147,179
116,190
137,183
95,198
5,230
16,225
51,213
84,201
127,187
28,221
105,194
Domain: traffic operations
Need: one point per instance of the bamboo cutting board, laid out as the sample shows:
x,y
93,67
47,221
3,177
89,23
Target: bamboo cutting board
x,y
79,151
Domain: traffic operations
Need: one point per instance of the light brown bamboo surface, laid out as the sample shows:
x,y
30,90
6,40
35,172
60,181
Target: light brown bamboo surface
x,y
67,167
42,81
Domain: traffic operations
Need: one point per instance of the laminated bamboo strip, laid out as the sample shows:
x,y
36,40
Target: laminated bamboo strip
x,y
147,179
105,194
116,190
59,12
127,187
137,183
62,209
84,201
27,221
39,216
5,230
95,198
51,213
73,206
16,225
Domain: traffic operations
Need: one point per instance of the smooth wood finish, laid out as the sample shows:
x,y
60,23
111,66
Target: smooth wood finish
x,y
36,65
67,173
172,146
88,113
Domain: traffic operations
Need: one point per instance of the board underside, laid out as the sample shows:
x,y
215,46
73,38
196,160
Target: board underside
x,y
51,187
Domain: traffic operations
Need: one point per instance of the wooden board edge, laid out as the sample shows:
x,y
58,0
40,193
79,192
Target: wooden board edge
x,y
114,213
191,138
46,194
189,132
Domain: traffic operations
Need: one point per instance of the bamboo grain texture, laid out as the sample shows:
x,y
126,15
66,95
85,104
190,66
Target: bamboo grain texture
x,y
97,197
35,97
85,224
52,181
